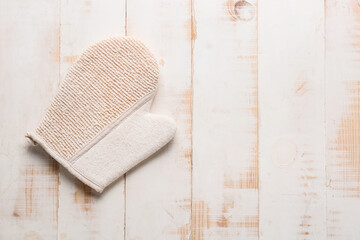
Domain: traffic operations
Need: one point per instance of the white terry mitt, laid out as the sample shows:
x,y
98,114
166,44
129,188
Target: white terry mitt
x,y
98,125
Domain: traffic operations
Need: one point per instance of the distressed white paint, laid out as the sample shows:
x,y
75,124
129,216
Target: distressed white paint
x,y
343,118
28,76
225,194
291,112
307,86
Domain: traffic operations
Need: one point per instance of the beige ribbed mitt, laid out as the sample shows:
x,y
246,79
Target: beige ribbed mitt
x,y
98,125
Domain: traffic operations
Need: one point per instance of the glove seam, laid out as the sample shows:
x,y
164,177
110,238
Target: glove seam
x,y
69,163
110,127
36,139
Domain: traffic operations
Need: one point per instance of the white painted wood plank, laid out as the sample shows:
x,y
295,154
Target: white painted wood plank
x,y
28,77
343,118
291,110
84,214
225,142
158,191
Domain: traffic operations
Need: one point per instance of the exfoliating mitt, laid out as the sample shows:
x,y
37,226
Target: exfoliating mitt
x,y
98,126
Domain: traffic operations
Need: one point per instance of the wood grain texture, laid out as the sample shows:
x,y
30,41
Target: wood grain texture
x,y
84,214
266,98
158,191
225,131
343,118
292,124
28,65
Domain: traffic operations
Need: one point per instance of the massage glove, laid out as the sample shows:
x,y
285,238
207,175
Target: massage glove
x,y
98,126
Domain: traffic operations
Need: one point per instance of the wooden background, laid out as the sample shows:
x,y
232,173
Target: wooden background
x,y
266,95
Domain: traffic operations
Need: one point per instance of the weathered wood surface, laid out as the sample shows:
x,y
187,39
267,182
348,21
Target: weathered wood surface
x,y
292,123
225,121
342,91
266,98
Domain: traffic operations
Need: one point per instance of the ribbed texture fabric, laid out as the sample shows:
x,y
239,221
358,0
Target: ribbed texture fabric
x,y
106,81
